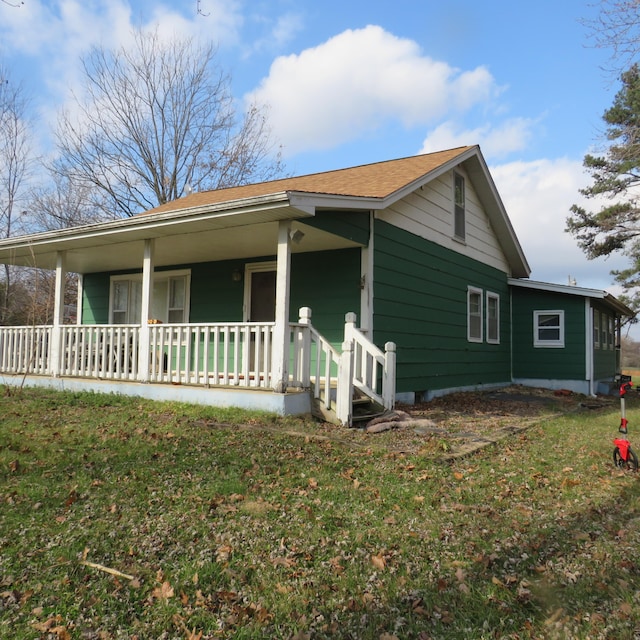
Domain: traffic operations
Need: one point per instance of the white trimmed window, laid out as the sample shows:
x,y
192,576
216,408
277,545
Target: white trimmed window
x,y
611,333
474,314
548,329
169,302
493,318
596,329
459,206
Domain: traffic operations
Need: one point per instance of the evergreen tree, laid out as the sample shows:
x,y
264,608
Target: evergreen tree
x,y
615,227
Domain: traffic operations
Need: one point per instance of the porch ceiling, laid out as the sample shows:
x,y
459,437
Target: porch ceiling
x,y
120,245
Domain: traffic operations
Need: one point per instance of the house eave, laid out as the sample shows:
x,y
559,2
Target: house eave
x,y
86,245
595,294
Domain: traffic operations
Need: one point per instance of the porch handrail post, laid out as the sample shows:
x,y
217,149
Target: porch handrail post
x,y
144,349
58,314
304,314
389,378
344,391
280,345
350,320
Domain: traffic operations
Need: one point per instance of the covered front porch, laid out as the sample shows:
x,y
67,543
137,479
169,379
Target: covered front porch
x,y
203,263
222,364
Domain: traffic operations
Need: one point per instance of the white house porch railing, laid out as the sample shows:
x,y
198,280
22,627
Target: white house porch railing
x,y
25,350
208,354
99,351
236,354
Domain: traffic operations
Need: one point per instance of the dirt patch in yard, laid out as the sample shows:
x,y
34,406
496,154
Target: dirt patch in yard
x,y
458,424
445,428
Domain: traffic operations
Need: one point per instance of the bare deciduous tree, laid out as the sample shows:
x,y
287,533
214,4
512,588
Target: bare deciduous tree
x,y
61,204
617,27
156,117
15,161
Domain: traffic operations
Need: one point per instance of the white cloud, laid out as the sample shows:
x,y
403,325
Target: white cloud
x,y
496,140
537,196
356,82
279,32
52,37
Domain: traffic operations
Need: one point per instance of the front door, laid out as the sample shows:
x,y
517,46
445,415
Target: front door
x,y
260,299
262,296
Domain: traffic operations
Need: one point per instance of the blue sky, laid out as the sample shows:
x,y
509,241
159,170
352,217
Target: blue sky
x,y
354,81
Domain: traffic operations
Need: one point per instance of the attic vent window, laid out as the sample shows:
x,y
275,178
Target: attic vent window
x,y
458,207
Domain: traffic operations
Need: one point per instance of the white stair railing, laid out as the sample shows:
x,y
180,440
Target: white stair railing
x,y
333,375
373,371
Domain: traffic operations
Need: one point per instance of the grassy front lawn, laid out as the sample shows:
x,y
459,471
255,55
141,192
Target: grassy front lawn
x,y
122,518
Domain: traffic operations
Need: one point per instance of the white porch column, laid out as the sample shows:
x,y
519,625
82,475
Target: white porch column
x,y
366,283
280,345
147,289
58,314
79,301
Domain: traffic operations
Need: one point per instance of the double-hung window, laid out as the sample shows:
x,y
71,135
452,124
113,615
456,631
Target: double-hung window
x,y
474,314
459,215
493,318
126,301
548,329
169,301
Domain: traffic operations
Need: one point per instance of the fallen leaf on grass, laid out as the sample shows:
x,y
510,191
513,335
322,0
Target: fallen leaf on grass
x,y
223,553
284,562
378,562
52,627
163,591
554,617
73,496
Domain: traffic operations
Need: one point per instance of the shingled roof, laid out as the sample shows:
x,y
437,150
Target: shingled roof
x,y
377,180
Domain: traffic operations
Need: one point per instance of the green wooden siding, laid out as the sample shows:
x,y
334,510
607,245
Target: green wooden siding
x,y
95,298
329,284
215,296
420,303
352,225
545,363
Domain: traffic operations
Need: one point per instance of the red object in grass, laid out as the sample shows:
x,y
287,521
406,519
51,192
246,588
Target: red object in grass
x,y
623,445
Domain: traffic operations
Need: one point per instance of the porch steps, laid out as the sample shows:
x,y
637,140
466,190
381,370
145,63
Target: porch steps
x,y
363,410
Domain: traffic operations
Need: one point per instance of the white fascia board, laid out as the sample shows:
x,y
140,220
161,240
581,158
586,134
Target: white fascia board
x,y
311,202
557,288
149,224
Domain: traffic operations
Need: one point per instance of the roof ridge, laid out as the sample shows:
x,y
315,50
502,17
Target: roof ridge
x,y
365,180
